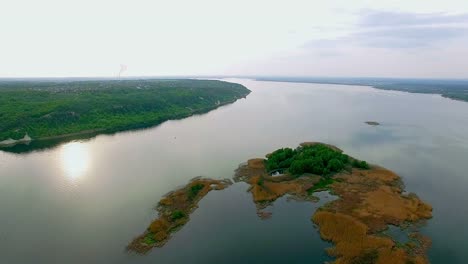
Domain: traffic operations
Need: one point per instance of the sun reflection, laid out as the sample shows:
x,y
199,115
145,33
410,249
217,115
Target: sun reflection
x,y
74,159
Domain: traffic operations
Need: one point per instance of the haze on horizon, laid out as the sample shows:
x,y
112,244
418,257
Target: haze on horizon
x,y
52,38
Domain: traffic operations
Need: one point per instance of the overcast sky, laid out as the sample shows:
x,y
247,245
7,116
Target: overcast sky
x,y
411,38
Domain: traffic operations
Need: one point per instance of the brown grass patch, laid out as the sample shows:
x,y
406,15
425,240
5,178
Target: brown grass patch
x,y
369,201
159,225
256,163
270,191
353,244
383,202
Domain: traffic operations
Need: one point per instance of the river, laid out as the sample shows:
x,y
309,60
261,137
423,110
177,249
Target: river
x,y
83,201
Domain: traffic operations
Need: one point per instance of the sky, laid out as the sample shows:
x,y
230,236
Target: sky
x,y
359,38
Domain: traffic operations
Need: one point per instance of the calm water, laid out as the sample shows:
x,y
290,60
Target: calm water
x,y
82,202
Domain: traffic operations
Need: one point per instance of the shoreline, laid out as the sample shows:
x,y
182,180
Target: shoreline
x,y
26,140
447,96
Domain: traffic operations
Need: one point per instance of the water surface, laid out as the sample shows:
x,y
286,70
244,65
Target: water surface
x,y
83,201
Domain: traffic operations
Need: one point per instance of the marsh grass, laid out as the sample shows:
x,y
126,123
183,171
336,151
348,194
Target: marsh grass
x,y
323,184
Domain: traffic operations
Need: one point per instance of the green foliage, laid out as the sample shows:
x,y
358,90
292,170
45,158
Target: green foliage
x,y
177,215
194,190
335,165
360,164
317,159
51,108
149,239
281,158
321,185
260,181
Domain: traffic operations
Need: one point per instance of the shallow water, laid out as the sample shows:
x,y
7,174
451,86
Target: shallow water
x,y
399,235
84,201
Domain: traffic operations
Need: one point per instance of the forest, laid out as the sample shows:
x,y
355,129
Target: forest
x,y
317,159
47,108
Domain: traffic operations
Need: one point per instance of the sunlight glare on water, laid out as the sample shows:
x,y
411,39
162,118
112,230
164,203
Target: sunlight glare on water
x,y
75,160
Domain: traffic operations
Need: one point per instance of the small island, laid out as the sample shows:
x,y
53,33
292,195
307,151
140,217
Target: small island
x,y
51,109
174,212
372,123
369,199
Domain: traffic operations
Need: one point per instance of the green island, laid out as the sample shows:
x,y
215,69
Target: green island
x,y
369,200
44,110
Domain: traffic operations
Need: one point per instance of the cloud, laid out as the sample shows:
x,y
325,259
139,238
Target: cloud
x,y
324,47
408,37
394,19
394,30
413,45
161,38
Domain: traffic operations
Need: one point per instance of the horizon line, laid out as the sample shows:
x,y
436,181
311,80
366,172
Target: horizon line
x,y
217,76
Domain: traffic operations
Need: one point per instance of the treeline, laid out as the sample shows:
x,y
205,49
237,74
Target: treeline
x,y
46,109
317,159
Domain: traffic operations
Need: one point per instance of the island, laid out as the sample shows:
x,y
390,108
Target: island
x,y
372,123
174,211
50,109
369,199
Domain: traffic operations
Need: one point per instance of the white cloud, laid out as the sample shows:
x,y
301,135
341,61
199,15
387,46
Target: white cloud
x,y
92,38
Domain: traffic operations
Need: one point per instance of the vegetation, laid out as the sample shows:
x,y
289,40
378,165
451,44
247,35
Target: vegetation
x,y
321,185
260,181
194,190
366,203
149,239
174,212
43,109
318,159
177,215
360,164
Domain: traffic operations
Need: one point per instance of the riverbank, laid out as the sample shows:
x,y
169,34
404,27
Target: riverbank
x,y
11,142
64,110
7,144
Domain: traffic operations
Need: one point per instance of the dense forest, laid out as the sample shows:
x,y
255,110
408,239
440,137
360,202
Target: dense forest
x,y
45,109
317,159
454,89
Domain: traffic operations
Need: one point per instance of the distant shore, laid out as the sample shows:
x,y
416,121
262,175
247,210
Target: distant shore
x,y
452,89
